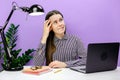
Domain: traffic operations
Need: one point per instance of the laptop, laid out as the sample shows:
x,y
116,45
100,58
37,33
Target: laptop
x,y
100,57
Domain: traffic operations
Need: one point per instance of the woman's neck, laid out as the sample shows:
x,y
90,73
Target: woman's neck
x,y
59,36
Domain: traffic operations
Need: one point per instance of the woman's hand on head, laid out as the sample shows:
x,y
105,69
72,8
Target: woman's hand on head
x,y
57,64
46,30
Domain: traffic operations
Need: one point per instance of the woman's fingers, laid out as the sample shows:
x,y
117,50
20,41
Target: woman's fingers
x,y
47,23
57,64
52,64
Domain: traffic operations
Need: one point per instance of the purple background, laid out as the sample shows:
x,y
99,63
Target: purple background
x,y
91,20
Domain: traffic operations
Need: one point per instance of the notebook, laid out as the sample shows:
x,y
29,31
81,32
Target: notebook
x,y
37,70
100,57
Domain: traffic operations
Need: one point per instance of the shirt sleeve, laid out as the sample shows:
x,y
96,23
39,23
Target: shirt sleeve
x,y
39,56
81,55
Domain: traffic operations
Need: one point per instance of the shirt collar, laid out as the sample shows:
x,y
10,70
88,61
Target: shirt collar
x,y
64,38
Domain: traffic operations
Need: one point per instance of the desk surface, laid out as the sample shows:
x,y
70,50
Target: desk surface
x,y
65,74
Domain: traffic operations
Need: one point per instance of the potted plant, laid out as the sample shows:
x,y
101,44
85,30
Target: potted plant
x,y
17,60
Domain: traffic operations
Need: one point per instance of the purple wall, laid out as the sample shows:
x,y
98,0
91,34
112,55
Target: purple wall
x,y
91,20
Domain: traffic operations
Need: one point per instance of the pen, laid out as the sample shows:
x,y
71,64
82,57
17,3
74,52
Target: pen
x,y
57,71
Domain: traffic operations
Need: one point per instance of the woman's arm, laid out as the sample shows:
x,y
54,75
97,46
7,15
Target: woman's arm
x,y
39,56
81,55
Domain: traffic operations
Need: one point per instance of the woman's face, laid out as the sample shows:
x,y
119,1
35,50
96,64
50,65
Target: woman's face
x,y
58,25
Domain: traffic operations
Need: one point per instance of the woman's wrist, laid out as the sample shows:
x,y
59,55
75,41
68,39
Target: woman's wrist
x,y
43,40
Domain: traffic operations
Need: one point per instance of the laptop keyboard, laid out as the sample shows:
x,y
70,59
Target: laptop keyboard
x,y
82,68
79,68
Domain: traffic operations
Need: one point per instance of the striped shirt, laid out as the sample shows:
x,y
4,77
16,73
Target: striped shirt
x,y
69,49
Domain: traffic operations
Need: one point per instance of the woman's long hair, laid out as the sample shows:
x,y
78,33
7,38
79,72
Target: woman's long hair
x,y
50,46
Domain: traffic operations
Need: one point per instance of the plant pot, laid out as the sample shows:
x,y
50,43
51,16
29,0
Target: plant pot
x,y
13,69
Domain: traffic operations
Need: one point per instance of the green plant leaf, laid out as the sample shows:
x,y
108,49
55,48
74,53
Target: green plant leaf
x,y
16,52
16,60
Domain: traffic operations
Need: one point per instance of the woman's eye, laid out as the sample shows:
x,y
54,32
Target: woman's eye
x,y
55,22
61,19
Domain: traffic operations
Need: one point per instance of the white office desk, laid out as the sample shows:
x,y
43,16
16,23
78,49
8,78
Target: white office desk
x,y
65,74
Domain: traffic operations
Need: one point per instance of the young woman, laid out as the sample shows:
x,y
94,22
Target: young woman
x,y
58,49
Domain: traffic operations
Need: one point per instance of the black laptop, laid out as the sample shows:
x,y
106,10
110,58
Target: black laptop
x,y
100,57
